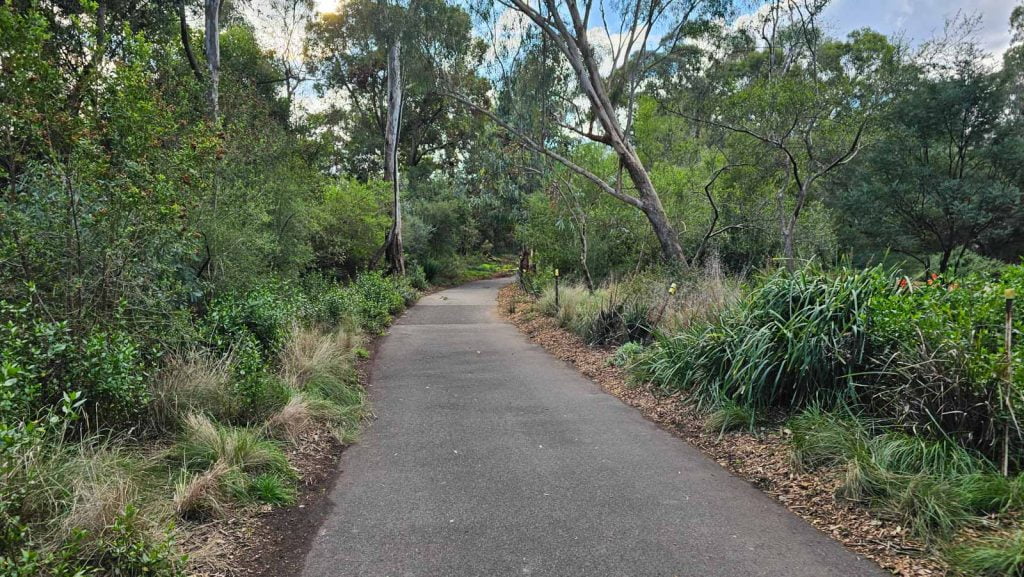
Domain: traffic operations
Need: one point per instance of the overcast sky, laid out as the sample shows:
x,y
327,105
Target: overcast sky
x,y
921,19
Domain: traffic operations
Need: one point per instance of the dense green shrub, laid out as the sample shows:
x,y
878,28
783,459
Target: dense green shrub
x,y
926,358
261,313
349,225
938,357
43,359
127,549
417,276
375,298
795,339
34,351
112,375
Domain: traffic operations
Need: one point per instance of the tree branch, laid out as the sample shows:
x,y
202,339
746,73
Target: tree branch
x,y
539,148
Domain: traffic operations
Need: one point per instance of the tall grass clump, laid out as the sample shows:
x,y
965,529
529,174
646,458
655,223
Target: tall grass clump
x,y
796,339
990,556
310,353
730,417
576,309
205,443
822,438
933,486
318,368
701,297
190,382
632,309
79,506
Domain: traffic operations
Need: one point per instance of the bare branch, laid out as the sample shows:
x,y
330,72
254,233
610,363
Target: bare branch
x,y
539,148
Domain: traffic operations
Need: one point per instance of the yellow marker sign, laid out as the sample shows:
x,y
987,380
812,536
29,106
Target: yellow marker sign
x,y
1010,293
556,272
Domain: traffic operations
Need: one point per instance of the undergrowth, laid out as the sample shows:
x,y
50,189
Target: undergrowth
x,y
80,498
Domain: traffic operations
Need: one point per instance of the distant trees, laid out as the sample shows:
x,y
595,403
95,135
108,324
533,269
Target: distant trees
x,y
607,83
809,100
944,178
383,59
767,139
348,54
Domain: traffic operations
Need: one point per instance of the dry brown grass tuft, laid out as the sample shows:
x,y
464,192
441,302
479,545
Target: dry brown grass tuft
x,y
310,353
190,382
100,483
294,419
201,495
701,299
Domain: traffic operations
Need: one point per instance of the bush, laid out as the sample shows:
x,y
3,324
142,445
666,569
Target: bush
x,y
349,225
375,298
796,339
926,359
939,360
128,550
261,314
111,373
627,353
417,276
35,356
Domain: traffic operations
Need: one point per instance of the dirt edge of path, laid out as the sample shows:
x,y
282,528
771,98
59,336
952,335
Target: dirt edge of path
x,y
761,458
274,541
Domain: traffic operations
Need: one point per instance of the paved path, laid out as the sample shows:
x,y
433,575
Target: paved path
x,y
489,458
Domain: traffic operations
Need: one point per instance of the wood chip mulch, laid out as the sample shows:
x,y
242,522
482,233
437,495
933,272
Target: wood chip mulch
x,y
762,458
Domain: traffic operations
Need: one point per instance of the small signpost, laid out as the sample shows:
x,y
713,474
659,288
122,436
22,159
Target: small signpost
x,y
556,289
671,293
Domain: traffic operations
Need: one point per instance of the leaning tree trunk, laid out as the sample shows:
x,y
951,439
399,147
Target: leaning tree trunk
x,y
583,62
186,41
212,46
393,250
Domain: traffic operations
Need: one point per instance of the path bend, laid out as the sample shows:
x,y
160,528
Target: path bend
x,y
489,457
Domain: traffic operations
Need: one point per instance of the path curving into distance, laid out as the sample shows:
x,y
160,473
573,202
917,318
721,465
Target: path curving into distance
x,y
490,457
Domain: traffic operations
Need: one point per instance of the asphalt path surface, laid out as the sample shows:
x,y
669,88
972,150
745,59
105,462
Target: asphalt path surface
x,y
490,457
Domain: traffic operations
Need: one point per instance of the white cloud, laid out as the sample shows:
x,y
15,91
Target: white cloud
x,y
919,20
505,34
610,47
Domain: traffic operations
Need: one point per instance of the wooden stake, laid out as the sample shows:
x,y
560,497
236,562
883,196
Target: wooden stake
x,y
1008,377
556,290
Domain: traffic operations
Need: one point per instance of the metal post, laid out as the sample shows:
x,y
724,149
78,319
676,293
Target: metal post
x,y
1010,294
